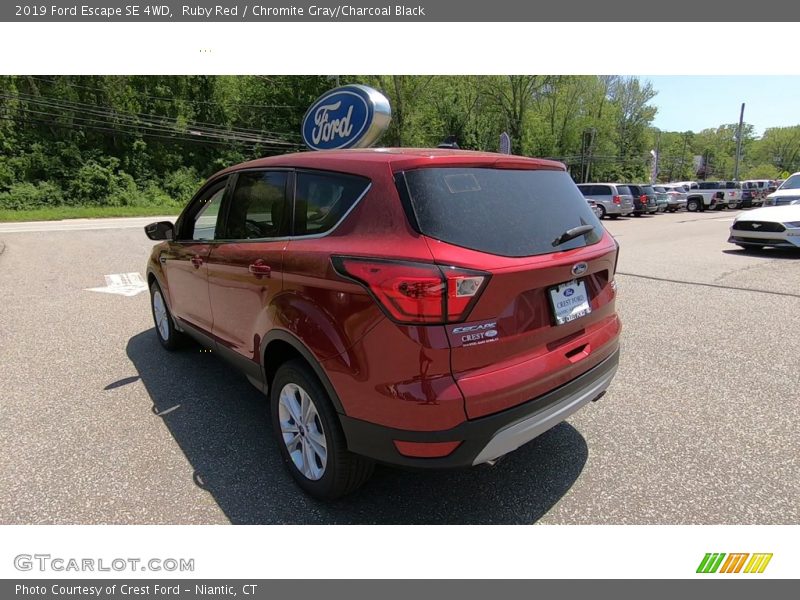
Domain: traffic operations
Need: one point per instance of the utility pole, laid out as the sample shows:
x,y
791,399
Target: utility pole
x,y
654,177
683,152
591,131
738,145
583,157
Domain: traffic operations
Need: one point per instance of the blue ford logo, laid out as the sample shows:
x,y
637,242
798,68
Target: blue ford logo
x,y
353,116
568,292
579,268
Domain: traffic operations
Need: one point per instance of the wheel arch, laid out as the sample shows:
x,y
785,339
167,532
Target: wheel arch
x,y
279,346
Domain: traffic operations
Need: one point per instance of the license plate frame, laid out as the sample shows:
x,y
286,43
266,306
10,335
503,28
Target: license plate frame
x,y
568,307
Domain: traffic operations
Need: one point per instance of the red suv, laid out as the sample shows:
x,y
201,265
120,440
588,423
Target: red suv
x,y
427,308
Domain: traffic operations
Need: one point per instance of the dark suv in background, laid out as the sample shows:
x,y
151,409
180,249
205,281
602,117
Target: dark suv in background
x,y
644,199
427,308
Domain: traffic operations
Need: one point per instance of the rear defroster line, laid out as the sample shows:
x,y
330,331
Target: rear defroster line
x,y
710,285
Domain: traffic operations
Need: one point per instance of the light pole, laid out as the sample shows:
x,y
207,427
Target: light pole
x,y
738,145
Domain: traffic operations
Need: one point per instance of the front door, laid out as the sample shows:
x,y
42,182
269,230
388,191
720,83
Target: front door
x,y
185,263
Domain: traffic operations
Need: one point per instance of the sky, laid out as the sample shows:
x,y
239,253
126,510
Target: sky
x,y
695,102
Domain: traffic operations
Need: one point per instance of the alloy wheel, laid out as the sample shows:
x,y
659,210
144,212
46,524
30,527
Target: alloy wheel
x,y
302,431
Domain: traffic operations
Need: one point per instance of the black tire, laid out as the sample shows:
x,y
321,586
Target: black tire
x,y
343,472
174,339
692,205
602,211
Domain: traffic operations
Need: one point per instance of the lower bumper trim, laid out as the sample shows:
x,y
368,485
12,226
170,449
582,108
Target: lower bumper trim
x,y
512,437
484,438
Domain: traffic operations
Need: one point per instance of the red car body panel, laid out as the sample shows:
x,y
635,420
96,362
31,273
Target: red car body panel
x,y
186,269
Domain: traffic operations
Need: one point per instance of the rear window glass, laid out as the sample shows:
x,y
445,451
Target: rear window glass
x,y
623,190
322,199
646,189
499,211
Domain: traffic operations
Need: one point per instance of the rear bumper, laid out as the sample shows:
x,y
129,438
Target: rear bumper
x,y
486,438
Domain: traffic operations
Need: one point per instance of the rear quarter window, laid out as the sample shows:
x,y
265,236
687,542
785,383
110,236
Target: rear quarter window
x,y
499,211
323,199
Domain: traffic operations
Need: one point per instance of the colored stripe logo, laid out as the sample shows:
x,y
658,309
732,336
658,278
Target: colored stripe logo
x,y
719,562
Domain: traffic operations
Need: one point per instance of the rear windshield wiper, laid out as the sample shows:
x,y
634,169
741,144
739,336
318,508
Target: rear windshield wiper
x,y
571,234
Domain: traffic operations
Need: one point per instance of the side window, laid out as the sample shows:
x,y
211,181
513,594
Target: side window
x,y
258,206
205,225
322,199
200,222
601,190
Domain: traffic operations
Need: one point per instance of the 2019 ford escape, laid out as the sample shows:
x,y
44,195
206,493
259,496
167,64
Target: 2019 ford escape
x,y
429,308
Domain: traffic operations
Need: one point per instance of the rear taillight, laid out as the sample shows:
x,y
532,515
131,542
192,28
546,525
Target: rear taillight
x,y
416,293
616,200
643,199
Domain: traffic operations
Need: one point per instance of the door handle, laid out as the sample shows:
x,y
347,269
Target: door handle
x,y
260,269
197,261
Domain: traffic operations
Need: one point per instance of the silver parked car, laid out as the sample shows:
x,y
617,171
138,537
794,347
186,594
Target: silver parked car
x,y
676,196
612,199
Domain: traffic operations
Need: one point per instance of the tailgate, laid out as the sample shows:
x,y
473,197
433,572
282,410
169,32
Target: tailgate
x,y
512,349
526,233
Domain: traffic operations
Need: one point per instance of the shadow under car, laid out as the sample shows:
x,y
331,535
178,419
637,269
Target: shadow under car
x,y
221,424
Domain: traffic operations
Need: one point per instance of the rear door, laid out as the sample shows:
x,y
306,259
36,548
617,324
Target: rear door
x,y
626,196
185,262
245,272
506,223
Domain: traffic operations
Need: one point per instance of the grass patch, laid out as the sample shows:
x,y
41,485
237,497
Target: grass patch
x,y
57,213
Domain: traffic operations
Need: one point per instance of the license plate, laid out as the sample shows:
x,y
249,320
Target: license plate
x,y
570,301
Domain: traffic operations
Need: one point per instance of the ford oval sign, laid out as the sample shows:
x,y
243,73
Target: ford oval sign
x,y
352,116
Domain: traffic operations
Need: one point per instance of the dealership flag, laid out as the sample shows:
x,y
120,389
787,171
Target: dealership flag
x,y
505,143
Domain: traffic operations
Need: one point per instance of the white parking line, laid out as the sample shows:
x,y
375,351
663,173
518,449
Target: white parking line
x,y
123,284
80,224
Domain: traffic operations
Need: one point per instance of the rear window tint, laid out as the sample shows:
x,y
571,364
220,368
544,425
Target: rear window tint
x,y
499,211
623,190
322,199
646,189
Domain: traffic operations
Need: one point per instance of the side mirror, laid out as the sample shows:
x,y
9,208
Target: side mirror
x,y
162,230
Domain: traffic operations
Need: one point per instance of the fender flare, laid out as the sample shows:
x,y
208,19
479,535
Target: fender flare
x,y
291,339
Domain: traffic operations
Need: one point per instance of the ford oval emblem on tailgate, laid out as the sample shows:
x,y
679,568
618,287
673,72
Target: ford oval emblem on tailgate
x,y
579,269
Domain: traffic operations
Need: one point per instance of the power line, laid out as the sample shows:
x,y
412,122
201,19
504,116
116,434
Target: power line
x,y
160,98
143,121
107,110
148,134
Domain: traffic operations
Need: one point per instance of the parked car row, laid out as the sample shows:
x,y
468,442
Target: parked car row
x,y
613,200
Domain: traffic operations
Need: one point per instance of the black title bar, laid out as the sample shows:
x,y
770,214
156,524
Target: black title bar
x,y
674,12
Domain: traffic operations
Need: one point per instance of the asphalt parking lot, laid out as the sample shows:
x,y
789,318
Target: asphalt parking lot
x,y
99,425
